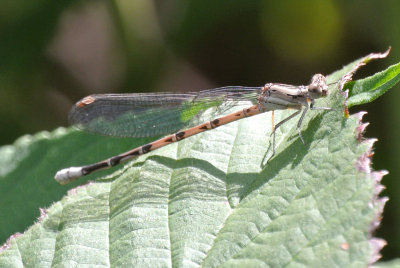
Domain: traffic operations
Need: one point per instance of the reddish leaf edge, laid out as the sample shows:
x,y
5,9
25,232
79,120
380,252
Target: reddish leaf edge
x,y
363,163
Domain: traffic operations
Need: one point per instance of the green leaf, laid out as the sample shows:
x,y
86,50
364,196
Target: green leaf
x,y
27,168
209,200
366,90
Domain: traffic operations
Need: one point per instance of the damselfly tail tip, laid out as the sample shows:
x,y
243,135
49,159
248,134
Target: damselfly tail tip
x,y
67,175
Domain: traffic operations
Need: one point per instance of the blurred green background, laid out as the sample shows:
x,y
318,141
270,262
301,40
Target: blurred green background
x,y
52,53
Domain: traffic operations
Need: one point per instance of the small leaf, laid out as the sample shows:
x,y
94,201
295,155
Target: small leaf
x,y
370,88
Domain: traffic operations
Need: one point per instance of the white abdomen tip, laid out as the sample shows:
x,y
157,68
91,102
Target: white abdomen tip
x,y
67,175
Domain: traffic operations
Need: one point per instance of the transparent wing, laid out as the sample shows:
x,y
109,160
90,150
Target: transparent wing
x,y
153,114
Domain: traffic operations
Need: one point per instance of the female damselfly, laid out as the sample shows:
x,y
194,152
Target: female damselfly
x,y
144,115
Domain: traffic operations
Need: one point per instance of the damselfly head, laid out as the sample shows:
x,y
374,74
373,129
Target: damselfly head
x,y
318,87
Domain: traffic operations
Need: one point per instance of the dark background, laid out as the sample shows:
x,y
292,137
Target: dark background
x,y
53,53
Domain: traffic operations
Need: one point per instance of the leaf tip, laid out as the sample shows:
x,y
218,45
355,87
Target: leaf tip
x,y
360,129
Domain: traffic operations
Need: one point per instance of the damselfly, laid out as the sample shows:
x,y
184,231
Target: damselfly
x,y
144,115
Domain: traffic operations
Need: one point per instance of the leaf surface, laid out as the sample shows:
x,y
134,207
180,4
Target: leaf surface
x,y
210,200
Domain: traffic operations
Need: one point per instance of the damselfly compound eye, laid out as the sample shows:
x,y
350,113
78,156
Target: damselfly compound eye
x,y
318,87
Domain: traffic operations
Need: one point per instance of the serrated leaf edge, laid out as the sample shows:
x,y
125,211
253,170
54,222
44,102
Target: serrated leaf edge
x,y
363,164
